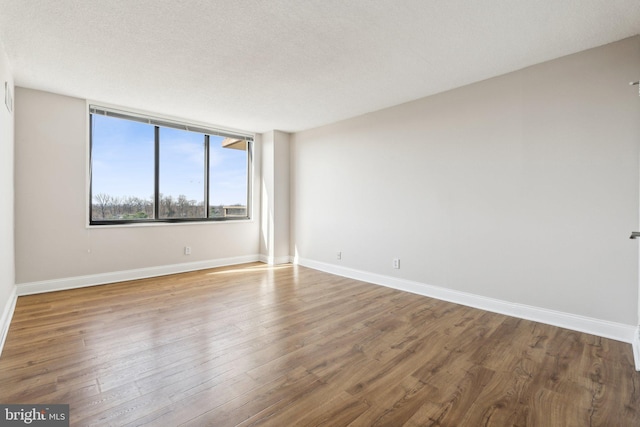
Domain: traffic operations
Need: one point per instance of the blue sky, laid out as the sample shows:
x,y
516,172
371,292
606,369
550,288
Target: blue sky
x,y
122,163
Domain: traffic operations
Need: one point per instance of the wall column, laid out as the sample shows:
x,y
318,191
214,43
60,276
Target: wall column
x,y
274,228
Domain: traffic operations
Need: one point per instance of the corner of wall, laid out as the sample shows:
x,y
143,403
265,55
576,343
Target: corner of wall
x,y
274,198
6,315
7,189
636,348
271,260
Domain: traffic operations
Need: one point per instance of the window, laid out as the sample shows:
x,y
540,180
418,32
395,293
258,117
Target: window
x,y
145,169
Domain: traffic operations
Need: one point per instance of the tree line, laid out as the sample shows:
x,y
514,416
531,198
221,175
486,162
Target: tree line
x,y
108,207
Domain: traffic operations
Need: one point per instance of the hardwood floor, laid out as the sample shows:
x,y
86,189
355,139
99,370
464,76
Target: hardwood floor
x,y
282,346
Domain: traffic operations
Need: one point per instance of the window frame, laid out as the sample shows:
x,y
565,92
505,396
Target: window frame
x,y
159,122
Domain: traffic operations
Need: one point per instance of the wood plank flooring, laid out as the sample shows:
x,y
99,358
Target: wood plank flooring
x,y
282,346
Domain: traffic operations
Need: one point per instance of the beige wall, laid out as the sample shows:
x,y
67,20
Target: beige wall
x,y
7,276
52,239
522,188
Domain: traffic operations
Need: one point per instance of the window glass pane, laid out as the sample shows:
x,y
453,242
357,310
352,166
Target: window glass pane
x,y
122,169
227,177
182,174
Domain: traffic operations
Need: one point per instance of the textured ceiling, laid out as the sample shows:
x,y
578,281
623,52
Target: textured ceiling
x,y
290,64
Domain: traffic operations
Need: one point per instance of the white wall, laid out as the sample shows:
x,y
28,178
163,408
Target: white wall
x,y
7,272
52,240
274,241
522,188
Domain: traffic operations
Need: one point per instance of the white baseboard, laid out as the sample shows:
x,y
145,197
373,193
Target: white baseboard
x,y
275,260
6,316
119,276
602,328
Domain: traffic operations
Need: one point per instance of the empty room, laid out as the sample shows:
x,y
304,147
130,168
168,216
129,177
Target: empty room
x,y
300,213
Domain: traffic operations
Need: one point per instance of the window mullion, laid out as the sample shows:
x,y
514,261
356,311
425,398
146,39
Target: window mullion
x,y
206,176
90,167
156,171
249,176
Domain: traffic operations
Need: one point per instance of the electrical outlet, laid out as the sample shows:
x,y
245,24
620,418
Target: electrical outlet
x,y
338,255
396,263
187,250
